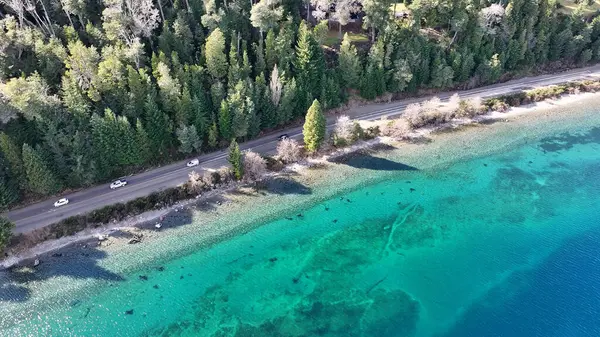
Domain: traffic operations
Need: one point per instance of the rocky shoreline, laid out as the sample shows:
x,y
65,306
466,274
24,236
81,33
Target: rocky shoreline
x,y
143,227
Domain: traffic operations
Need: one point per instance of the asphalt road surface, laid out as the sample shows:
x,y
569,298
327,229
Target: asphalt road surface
x,y
44,213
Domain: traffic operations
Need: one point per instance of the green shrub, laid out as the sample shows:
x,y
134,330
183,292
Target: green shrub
x,y
6,228
372,132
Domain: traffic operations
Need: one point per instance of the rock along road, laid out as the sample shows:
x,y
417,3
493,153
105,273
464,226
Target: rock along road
x,y
44,213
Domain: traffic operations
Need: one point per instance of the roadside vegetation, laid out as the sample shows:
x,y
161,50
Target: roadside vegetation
x,y
250,168
93,90
6,228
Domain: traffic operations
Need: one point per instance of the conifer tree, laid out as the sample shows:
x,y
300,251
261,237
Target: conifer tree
x,y
201,114
9,190
309,64
288,107
225,121
188,139
143,143
314,127
13,155
349,64
185,107
40,177
213,136
236,160
6,230
216,61
158,127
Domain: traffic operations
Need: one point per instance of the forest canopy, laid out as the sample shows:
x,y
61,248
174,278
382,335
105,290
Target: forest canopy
x,y
91,89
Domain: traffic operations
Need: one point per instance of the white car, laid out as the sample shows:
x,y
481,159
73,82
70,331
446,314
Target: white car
x,y
61,202
117,184
193,162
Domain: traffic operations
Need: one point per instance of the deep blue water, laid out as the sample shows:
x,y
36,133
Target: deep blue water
x,y
559,298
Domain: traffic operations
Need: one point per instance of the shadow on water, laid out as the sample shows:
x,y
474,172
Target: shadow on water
x,y
367,161
284,185
82,264
559,297
566,141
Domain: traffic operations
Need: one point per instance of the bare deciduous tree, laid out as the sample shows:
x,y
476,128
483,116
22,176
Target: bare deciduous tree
x,y
196,181
490,18
398,129
454,102
289,151
431,104
276,86
343,12
254,166
343,127
413,114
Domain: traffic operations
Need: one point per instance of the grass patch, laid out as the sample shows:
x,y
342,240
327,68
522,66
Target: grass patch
x,y
569,6
333,38
400,7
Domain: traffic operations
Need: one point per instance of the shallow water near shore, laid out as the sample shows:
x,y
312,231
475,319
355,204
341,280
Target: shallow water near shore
x,y
504,244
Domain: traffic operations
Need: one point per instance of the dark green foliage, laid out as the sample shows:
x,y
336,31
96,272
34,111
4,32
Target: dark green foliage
x,y
314,127
206,66
6,228
236,160
40,179
9,188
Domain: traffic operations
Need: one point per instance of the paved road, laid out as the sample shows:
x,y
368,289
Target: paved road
x,y
43,213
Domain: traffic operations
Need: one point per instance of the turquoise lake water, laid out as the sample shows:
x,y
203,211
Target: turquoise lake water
x,y
507,245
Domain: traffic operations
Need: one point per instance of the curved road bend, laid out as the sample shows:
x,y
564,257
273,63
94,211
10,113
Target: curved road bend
x,y
43,213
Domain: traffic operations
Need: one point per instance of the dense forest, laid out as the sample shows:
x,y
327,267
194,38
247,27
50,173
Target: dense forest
x,y
91,89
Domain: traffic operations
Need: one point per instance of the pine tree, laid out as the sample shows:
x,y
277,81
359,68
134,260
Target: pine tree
x,y
9,190
201,114
309,63
138,83
185,108
143,143
236,160
259,65
235,70
39,176
6,231
314,127
158,127
225,121
216,61
270,51
213,136
288,107
349,64
189,139
238,111
13,155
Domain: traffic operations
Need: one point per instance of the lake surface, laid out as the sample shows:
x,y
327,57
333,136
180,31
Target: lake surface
x,y
504,245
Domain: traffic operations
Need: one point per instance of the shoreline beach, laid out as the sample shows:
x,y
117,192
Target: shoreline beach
x,y
228,199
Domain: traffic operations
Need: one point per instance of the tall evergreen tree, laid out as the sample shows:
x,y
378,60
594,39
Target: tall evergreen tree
x,y
40,177
225,121
188,139
309,64
9,189
314,127
13,155
349,64
216,61
158,127
236,160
